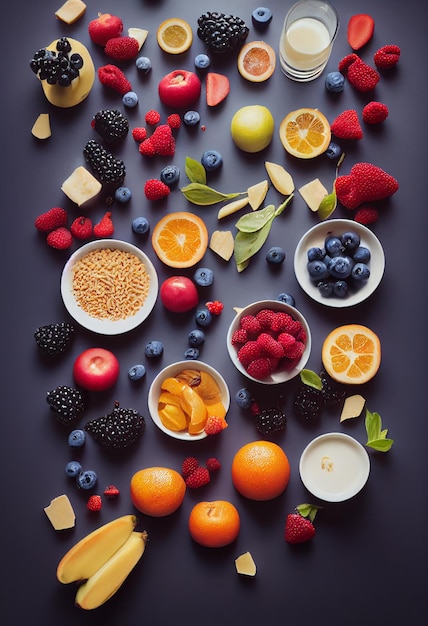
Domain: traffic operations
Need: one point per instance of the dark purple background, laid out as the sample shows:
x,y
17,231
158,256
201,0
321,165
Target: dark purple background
x,y
367,564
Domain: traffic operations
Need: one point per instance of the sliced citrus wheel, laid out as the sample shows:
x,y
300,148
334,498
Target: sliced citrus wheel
x,y
351,354
256,61
180,239
305,133
174,35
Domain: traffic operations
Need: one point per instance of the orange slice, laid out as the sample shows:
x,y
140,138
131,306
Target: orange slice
x,y
174,35
256,61
180,239
305,133
351,354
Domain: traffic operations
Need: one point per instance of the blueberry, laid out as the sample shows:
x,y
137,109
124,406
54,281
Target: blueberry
x,y
360,272
76,438
191,353
136,372
340,288
144,65
275,255
203,317
335,82
315,254
170,175
211,160
333,245
86,479
140,225
196,337
287,298
361,255
325,288
243,398
340,267
153,349
262,16
123,194
202,61
317,270
204,277
73,468
351,240
191,118
333,151
130,99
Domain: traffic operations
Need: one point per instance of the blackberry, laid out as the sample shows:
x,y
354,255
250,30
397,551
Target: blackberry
x,y
105,167
221,33
270,420
111,125
66,403
53,339
56,67
307,403
119,429
331,394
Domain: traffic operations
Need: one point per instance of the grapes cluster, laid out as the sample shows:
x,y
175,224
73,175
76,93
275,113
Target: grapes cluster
x,y
57,67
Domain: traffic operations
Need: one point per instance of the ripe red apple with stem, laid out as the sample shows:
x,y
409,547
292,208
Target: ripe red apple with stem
x,y
179,294
96,369
179,88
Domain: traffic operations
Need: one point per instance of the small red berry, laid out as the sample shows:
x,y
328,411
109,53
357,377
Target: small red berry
x,y
111,491
174,120
94,503
60,238
213,464
189,465
152,117
198,478
215,307
50,220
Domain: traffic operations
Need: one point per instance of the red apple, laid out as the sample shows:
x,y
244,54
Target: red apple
x,y
105,27
179,88
179,294
96,369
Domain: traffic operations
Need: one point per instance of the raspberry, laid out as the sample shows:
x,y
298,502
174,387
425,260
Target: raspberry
x,y
261,368
94,503
189,465
248,352
60,238
375,113
346,62
155,189
147,148
239,337
270,346
281,322
265,318
152,117
214,425
286,340
215,307
139,133
366,215
198,478
250,324
255,408
50,220
111,491
122,48
174,120
163,140
295,328
105,227
81,227
213,464
295,351
112,76
387,57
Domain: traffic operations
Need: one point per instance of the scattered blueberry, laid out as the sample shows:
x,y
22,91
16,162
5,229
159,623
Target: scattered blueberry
x,y
351,240
130,99
136,372
203,317
211,160
73,468
275,255
203,277
140,225
287,298
191,353
153,349
202,61
340,288
340,267
196,337
335,82
243,398
144,65
334,151
262,16
86,479
191,118
318,270
170,175
315,254
76,438
325,288
361,255
123,194
360,272
333,245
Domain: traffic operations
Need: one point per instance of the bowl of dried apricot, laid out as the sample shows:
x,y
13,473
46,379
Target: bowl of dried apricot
x,y
269,342
189,400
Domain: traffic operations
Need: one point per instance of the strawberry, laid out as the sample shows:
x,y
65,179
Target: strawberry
x,y
375,112
104,27
298,529
94,503
189,465
155,189
366,215
122,48
105,227
60,238
270,346
81,227
387,57
174,120
139,133
360,30
213,464
261,367
215,307
111,491
112,76
362,77
215,425
50,220
152,117
198,478
364,183
347,125
217,88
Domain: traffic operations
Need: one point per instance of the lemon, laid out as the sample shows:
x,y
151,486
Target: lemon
x,y
252,128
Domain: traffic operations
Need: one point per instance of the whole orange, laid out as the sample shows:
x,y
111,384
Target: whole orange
x,y
157,491
214,524
260,470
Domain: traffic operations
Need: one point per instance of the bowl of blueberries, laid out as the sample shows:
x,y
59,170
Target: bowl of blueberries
x,y
339,263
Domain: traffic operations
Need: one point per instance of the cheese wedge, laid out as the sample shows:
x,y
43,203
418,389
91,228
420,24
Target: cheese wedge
x,y
81,186
312,193
71,11
222,243
42,127
60,513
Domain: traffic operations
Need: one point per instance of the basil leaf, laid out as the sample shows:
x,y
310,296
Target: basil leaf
x,y
373,425
252,222
381,445
247,244
311,379
195,171
200,194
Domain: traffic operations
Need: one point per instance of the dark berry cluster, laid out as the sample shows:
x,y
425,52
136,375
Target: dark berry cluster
x,y
54,339
308,402
105,167
270,420
220,32
119,429
111,125
65,403
57,67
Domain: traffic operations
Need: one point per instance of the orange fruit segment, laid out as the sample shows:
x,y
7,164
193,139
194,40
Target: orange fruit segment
x,y
305,133
260,470
256,61
351,354
173,417
180,239
174,35
157,491
194,406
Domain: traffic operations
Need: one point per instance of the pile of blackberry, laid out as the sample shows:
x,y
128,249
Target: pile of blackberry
x,y
270,420
57,67
66,403
111,125
308,402
221,33
119,429
54,339
105,167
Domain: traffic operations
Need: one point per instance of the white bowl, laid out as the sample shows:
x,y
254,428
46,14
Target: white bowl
x,y
315,237
105,326
334,467
171,371
282,375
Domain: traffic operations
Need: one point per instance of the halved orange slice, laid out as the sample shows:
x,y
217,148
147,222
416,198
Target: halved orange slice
x,y
180,239
305,133
256,61
351,354
174,35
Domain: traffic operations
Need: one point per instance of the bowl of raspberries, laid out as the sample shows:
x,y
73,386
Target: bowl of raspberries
x,y
269,342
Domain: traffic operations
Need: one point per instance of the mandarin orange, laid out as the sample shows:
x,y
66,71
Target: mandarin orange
x,y
260,470
214,524
157,491
180,239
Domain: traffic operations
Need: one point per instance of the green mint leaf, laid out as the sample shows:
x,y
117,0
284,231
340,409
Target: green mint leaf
x,y
247,244
311,379
201,194
254,221
373,425
327,206
195,171
381,445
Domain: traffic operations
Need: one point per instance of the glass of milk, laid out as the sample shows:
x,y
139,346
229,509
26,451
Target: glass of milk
x,y
307,37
